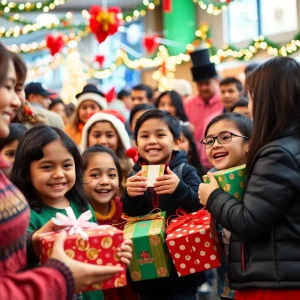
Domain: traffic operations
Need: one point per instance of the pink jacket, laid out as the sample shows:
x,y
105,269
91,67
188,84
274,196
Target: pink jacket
x,y
200,114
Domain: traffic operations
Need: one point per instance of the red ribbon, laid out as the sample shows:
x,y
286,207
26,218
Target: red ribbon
x,y
183,218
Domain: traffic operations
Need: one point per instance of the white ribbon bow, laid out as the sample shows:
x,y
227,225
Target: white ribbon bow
x,y
76,226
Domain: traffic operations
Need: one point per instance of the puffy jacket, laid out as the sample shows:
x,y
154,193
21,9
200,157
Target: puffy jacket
x,y
265,242
185,196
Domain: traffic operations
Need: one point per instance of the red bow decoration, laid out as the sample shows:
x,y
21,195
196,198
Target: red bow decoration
x,y
104,22
110,95
100,60
183,218
54,43
149,43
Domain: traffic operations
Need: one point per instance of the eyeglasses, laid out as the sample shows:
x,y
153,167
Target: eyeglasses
x,y
222,138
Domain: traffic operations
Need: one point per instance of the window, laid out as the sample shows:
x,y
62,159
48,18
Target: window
x,y
278,16
246,19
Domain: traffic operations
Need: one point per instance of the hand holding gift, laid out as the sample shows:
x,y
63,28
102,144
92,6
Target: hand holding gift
x,y
87,242
205,189
136,185
166,184
84,274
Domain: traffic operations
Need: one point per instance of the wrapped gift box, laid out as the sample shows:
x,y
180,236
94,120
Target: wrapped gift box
x,y
100,249
231,180
150,257
193,243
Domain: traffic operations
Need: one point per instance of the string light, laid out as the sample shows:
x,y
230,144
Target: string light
x,y
214,8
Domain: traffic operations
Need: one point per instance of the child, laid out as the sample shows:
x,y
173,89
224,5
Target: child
x,y
189,146
157,134
107,130
89,101
8,145
170,101
226,142
48,170
102,185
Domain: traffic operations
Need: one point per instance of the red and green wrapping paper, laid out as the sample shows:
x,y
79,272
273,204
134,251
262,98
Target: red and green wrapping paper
x,y
231,180
150,257
193,242
100,249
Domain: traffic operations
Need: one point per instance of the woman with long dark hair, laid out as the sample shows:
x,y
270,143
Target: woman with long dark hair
x,y
264,256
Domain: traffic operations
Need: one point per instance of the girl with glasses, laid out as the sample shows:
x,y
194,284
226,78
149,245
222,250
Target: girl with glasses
x,y
264,257
226,142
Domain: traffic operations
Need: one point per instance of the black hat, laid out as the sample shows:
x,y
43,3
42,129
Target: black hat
x,y
36,88
202,68
90,92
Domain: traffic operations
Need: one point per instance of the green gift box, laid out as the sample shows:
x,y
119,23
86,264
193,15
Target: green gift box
x,y
150,256
231,180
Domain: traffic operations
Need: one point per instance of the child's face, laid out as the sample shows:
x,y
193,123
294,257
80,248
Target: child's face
x,y
101,178
166,104
232,154
242,110
185,144
86,108
103,133
53,175
8,152
155,142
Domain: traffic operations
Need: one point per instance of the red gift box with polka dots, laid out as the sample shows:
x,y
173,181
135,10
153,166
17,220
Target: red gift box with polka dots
x,y
193,242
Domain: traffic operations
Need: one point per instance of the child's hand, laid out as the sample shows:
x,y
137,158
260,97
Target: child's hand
x,y
205,189
125,252
48,227
136,185
166,184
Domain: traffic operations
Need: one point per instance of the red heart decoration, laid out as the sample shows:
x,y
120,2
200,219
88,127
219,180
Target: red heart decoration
x,y
55,43
100,59
149,43
104,22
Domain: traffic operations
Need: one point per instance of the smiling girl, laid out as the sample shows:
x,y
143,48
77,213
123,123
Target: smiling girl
x,y
48,170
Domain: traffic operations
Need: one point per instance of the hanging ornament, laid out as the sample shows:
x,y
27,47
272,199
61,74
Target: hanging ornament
x,y
167,6
150,44
104,22
100,59
110,95
54,43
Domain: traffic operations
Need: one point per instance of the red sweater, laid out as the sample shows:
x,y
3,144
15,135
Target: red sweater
x,y
52,281
114,218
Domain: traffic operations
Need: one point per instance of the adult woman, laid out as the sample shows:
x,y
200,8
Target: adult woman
x,y
264,257
60,276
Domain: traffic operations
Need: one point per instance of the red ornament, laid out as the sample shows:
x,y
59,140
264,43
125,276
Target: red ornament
x,y
228,1
167,6
104,22
149,43
100,60
54,43
110,95
132,153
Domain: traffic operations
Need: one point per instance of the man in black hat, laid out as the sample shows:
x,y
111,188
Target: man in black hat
x,y
39,101
203,107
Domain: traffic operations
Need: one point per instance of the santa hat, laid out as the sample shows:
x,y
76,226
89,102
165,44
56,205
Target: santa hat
x,y
116,123
90,92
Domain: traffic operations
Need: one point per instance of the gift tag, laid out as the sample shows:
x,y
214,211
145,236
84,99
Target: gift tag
x,y
151,172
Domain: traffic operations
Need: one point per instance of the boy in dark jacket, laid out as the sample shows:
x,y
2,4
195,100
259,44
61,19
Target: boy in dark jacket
x,y
157,135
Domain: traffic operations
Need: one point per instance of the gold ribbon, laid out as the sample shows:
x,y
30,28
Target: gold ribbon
x,y
105,18
150,216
